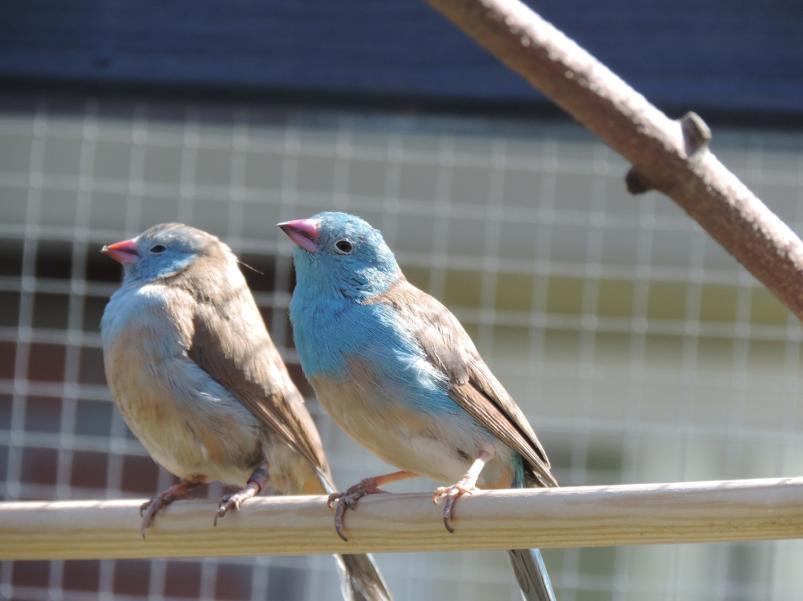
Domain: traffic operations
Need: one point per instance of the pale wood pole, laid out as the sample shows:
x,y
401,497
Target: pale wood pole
x,y
564,517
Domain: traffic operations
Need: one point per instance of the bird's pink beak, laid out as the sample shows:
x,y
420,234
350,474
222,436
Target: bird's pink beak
x,y
124,252
303,232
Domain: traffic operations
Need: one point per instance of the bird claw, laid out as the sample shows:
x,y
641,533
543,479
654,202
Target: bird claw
x,y
234,501
144,506
451,494
348,500
149,509
228,503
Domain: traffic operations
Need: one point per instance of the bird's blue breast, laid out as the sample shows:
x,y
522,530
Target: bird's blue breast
x,y
333,335
325,331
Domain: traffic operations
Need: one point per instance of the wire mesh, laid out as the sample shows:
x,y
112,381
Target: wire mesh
x,y
638,348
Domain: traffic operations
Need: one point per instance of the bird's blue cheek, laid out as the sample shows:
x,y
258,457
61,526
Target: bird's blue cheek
x,y
168,266
301,258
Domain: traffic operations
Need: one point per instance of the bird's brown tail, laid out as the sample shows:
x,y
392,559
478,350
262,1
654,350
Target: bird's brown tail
x,y
360,579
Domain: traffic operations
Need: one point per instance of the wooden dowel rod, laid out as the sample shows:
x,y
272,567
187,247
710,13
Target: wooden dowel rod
x,y
564,517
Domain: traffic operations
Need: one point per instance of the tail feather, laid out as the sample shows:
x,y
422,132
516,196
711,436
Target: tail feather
x,y
360,579
528,565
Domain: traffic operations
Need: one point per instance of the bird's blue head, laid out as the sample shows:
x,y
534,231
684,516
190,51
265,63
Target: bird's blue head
x,y
341,254
162,251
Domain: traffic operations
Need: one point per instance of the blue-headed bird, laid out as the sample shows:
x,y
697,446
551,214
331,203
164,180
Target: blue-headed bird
x,y
397,372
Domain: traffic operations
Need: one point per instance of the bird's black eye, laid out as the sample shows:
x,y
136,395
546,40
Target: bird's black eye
x,y
344,247
158,248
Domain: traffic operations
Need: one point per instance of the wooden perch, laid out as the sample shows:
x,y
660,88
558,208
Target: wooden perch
x,y
563,517
669,156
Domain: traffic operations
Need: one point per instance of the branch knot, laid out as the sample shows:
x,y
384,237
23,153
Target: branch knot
x,y
696,134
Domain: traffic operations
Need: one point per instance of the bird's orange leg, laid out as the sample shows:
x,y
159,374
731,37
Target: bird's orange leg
x,y
252,488
466,485
149,509
369,486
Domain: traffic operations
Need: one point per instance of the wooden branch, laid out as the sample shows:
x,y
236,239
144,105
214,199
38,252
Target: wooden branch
x,y
563,517
670,156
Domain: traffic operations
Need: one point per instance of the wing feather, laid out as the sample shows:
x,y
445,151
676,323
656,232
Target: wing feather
x,y
471,383
230,342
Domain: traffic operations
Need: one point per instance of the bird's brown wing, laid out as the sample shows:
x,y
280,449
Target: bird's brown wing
x,y
471,383
230,342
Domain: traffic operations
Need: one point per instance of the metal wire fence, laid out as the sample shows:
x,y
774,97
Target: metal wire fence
x,y
638,348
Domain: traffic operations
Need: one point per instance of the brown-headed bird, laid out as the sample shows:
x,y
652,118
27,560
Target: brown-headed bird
x,y
200,383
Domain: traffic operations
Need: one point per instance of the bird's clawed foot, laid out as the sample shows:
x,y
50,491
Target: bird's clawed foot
x,y
450,495
149,509
348,500
369,486
465,486
233,501
253,487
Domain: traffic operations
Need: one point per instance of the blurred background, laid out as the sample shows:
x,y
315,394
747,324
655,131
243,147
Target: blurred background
x,y
640,350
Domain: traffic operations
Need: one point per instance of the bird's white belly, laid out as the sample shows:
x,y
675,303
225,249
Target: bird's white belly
x,y
438,447
187,422
179,442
